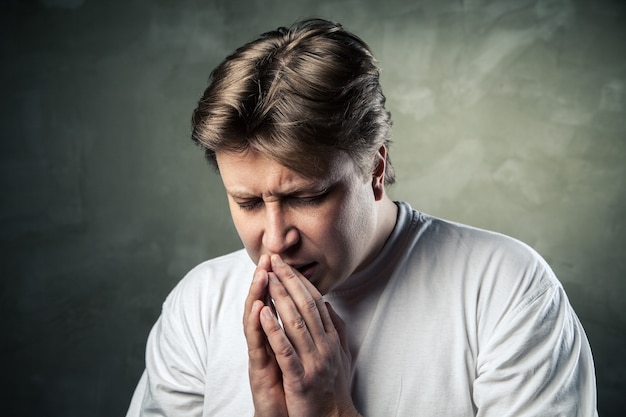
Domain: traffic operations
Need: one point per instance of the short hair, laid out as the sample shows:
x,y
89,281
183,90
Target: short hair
x,y
296,95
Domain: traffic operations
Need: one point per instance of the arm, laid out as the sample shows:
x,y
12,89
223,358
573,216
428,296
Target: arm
x,y
172,383
537,362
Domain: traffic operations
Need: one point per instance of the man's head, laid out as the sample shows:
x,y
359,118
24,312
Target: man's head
x,y
297,95
296,125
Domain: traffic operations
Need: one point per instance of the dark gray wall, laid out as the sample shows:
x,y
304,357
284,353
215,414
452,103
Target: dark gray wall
x,y
509,115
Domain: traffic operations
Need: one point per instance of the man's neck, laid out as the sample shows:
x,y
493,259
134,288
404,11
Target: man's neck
x,y
387,218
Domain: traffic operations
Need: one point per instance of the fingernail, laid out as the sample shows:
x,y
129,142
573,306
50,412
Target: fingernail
x,y
259,274
267,312
277,260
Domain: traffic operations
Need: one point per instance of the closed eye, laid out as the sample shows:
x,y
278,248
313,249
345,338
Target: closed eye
x,y
250,205
293,200
312,200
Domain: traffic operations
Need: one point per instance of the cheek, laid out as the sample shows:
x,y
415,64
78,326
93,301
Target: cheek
x,y
247,231
358,220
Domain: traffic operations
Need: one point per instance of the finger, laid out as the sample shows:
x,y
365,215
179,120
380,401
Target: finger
x,y
257,291
284,351
339,325
253,331
306,297
258,287
264,263
309,306
328,323
294,324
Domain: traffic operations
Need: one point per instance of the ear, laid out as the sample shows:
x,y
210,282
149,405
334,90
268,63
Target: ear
x,y
378,174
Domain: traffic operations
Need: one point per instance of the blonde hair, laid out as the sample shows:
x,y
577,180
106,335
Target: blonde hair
x,y
297,94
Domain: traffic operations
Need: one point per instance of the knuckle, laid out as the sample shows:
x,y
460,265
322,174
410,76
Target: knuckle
x,y
291,273
299,324
274,328
319,300
287,351
281,292
310,304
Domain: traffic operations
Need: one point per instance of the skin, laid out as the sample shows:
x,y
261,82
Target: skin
x,y
307,235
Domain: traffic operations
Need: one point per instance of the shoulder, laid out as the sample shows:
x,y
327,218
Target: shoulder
x,y
466,239
501,278
225,276
489,270
207,301
432,233
483,253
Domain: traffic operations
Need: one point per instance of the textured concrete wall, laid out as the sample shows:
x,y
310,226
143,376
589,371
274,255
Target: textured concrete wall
x,y
509,115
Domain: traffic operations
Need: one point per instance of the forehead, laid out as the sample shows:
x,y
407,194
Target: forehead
x,y
253,172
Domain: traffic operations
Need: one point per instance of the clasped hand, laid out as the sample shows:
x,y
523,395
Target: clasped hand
x,y
303,367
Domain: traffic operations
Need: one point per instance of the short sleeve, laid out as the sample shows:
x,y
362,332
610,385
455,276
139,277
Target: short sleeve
x,y
537,362
173,382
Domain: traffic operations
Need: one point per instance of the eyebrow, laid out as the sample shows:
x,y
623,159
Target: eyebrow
x,y
314,188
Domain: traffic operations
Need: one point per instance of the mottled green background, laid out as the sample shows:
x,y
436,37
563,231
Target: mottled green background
x,y
509,115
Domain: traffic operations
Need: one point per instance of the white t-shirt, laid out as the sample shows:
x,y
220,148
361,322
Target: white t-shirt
x,y
449,320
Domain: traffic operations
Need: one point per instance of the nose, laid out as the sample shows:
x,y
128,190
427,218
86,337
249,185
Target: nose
x,y
279,234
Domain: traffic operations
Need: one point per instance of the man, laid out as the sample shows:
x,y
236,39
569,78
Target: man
x,y
352,304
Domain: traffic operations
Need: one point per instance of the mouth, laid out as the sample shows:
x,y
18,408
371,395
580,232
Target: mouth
x,y
307,270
